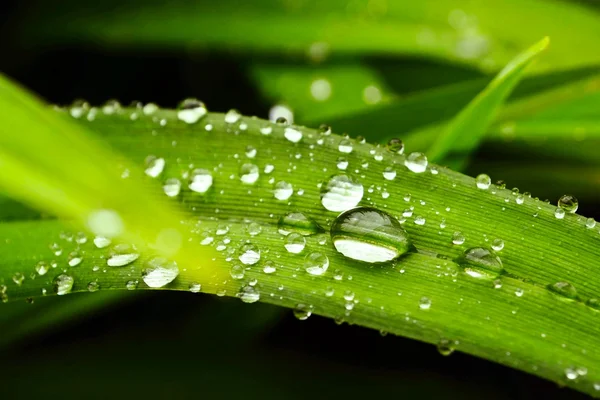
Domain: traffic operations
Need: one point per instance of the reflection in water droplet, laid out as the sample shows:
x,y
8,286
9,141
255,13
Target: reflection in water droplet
x,y
102,242
200,180
480,262
316,263
498,244
458,238
341,193
159,272
559,213
389,173
75,258
232,116
237,271
345,146
370,235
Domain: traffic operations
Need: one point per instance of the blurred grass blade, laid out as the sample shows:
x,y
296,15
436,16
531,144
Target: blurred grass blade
x,y
464,133
57,166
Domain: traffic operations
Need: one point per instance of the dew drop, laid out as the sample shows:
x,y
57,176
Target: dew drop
x,y
63,284
237,271
172,187
292,134
249,294
479,262
571,373
131,285
253,228
370,235
18,278
497,244
590,223
93,286
341,193
195,287
568,203
416,162
345,146
483,181
159,272
458,238
389,173
269,267
395,146
559,213
302,312
445,347
316,263
154,166
201,180
283,190
424,303
121,255
342,163
249,254
297,222
564,289
191,110
232,116
75,258
249,173
295,243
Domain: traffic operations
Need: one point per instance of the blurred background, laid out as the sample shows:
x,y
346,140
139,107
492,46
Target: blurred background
x,y
376,68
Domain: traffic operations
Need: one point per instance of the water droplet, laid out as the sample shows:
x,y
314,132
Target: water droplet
x,y
316,263
93,286
342,163
79,108
445,347
283,190
253,228
237,271
111,107
416,162
370,235
191,110
593,303
519,292
497,244
249,173
345,146
131,285
249,254
564,289
80,238
201,180
568,203
424,303
297,222
559,213
389,173
590,223
172,187
150,109
56,249
302,311
571,373
292,134
249,294
195,287
232,116
395,146
295,243
497,284
341,193
42,267
154,166
121,255
458,238
18,278
419,220
269,267
480,262
251,151
75,258
483,181
159,272
63,284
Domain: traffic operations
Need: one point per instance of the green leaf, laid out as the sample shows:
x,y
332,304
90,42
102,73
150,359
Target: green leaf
x,y
472,33
474,316
463,134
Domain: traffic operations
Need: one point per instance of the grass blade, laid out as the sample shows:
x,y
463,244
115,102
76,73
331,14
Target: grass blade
x,y
465,131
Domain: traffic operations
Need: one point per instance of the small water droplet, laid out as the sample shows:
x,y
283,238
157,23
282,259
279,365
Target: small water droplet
x,y
195,287
283,190
253,228
458,238
370,235
131,285
154,166
249,174
269,267
232,116
302,311
249,254
63,284
497,244
445,347
295,243
201,180
559,213
191,110
395,145
497,284
389,173
249,294
341,193
416,162
568,203
564,289
75,258
237,271
172,187
590,223
519,292
56,249
18,278
292,134
93,286
42,267
480,262
297,222
316,263
121,255
159,272
345,146
571,373
424,303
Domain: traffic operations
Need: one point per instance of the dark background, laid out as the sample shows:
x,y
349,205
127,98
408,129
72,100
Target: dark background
x,y
179,345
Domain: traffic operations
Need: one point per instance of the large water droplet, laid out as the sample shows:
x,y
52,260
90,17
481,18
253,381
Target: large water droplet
x,y
200,180
568,203
480,262
159,272
122,255
63,284
564,289
483,181
416,162
316,263
249,173
370,235
191,110
341,193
